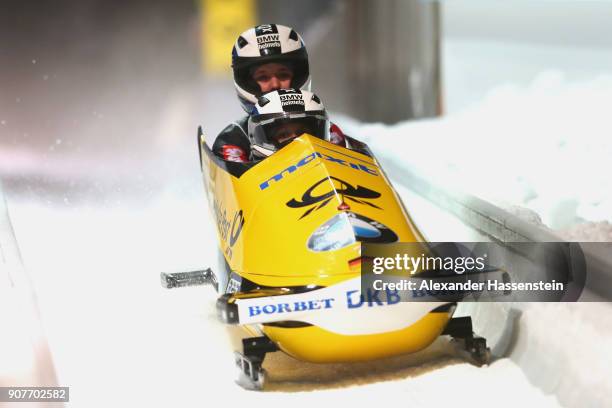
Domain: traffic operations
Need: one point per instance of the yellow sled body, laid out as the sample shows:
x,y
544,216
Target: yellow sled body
x,y
270,219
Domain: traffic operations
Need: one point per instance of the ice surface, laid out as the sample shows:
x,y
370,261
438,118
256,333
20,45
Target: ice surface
x,y
112,327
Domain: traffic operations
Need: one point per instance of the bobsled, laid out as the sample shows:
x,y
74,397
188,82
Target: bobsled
x,y
290,230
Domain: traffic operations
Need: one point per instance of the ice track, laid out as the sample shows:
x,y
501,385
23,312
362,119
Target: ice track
x,y
118,338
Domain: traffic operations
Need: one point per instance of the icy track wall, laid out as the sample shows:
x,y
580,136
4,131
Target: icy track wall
x,y
561,347
24,353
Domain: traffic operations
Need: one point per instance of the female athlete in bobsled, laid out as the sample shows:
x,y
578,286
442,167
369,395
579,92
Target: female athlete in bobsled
x,y
265,58
315,202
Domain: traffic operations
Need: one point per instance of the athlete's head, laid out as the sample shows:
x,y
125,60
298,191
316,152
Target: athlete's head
x,y
283,115
266,58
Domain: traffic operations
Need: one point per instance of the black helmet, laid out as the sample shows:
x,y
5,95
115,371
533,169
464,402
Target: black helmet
x,y
267,43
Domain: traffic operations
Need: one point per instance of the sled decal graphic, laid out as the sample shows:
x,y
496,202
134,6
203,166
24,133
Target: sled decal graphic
x,y
369,231
347,191
345,229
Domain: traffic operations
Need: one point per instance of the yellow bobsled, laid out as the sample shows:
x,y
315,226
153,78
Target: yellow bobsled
x,y
290,229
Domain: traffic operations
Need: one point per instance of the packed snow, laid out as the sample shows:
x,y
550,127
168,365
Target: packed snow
x,y
118,337
545,146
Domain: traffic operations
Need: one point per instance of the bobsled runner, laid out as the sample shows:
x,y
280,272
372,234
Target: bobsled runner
x,y
290,230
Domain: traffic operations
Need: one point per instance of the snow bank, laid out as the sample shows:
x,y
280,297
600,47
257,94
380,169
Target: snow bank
x,y
24,352
110,322
589,232
544,146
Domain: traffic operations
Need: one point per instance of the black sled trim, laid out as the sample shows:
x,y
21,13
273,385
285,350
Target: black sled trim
x,y
289,324
444,308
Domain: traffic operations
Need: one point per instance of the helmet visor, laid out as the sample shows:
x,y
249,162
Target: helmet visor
x,y
274,131
244,67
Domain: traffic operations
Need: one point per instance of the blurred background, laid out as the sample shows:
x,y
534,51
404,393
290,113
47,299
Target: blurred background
x,y
100,102
94,92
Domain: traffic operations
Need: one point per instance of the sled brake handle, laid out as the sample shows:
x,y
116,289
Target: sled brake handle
x,y
181,279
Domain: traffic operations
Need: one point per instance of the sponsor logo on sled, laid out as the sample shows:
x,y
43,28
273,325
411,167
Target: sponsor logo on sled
x,y
353,299
291,307
278,177
371,298
228,229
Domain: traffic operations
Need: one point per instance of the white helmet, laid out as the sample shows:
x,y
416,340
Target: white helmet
x,y
281,116
264,44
